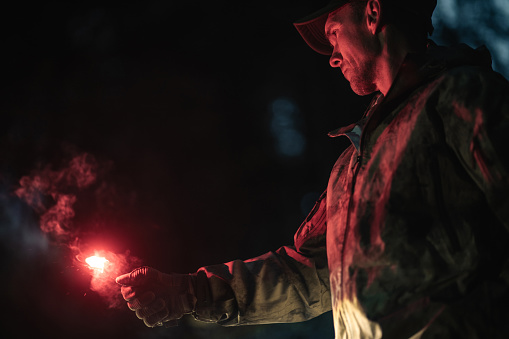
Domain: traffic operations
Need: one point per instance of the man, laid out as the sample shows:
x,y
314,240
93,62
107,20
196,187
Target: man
x,y
410,239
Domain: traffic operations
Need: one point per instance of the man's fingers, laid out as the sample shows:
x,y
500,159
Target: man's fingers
x,y
143,287
142,301
156,318
128,293
157,306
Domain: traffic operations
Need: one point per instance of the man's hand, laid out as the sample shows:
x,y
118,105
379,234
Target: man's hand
x,y
157,297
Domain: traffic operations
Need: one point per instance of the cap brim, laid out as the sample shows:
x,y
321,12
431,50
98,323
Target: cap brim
x,y
312,28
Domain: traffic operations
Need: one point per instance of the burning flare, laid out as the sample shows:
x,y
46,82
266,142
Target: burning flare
x,y
96,262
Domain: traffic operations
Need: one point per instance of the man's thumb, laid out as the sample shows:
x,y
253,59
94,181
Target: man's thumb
x,y
124,279
136,277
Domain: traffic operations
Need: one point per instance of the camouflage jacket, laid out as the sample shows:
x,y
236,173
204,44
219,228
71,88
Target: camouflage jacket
x,y
411,236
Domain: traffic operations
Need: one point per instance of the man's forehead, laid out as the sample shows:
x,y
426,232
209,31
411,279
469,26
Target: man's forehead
x,y
336,16
312,27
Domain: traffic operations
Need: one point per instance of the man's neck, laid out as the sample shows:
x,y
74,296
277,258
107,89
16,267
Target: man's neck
x,y
393,53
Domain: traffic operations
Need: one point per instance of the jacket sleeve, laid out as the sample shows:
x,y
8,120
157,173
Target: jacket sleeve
x,y
475,110
288,285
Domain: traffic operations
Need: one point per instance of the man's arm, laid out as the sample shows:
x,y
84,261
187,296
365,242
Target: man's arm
x,y
475,110
288,285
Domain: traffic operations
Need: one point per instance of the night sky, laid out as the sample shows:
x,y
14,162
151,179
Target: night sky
x,y
207,123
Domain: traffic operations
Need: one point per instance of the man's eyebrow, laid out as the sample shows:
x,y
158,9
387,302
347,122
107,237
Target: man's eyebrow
x,y
328,34
328,31
329,28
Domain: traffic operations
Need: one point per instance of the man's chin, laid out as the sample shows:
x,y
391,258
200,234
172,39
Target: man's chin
x,y
362,89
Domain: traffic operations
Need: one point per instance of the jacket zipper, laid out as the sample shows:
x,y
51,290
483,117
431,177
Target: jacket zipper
x,y
355,171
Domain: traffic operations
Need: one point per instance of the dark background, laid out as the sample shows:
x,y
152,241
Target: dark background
x,y
178,103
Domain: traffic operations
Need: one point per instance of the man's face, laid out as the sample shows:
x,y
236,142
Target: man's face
x,y
354,49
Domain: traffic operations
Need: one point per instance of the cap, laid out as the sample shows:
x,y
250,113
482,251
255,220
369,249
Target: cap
x,y
312,27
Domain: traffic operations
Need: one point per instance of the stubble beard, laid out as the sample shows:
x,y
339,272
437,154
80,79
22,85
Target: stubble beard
x,y
362,81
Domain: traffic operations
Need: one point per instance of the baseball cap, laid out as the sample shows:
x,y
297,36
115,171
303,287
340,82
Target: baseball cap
x,y
312,27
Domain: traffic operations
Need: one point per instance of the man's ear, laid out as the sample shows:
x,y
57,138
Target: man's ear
x,y
373,16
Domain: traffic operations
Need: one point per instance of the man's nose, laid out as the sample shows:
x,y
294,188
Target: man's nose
x,y
335,59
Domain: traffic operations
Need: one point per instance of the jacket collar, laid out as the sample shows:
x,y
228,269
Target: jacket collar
x,y
416,70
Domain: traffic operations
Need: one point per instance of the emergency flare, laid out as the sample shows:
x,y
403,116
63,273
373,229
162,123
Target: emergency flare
x,y
96,263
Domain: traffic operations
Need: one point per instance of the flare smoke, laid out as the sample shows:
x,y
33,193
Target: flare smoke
x,y
36,189
53,194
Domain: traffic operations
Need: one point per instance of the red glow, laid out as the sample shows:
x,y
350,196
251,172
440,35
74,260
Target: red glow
x,y
96,262
104,266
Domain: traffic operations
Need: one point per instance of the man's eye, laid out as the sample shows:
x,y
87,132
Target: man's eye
x,y
332,36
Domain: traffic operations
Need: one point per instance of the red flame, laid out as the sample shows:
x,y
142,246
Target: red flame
x,y
96,262
104,266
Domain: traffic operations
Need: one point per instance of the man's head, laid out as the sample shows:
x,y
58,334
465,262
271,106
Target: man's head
x,y
411,16
355,47
367,39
